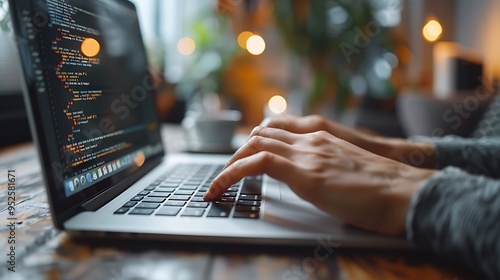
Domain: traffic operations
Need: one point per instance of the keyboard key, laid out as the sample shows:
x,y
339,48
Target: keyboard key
x,y
219,210
180,197
247,215
233,189
198,204
141,212
146,205
173,179
168,211
251,187
172,184
154,199
130,204
243,208
229,194
225,199
193,212
250,197
167,190
122,210
248,203
143,193
224,204
175,203
184,192
197,199
169,185
159,194
137,198
150,188
189,187
203,189
200,194
196,179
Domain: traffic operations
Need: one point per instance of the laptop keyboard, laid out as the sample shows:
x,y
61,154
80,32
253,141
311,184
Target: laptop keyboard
x,y
180,193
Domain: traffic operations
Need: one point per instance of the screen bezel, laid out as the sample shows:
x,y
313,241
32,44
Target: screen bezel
x,y
63,208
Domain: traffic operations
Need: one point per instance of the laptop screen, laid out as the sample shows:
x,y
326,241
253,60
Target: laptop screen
x,y
90,91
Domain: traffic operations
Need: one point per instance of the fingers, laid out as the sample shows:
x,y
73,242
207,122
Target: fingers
x,y
265,139
274,133
280,146
298,125
258,143
268,163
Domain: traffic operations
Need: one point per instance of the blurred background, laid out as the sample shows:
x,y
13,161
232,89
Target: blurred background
x,y
393,67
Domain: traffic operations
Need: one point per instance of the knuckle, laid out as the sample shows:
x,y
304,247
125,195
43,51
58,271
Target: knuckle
x,y
263,132
235,171
316,118
278,122
318,121
319,138
256,142
317,169
324,135
266,157
273,122
225,180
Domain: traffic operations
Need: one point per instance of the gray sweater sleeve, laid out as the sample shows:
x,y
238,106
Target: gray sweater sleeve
x,y
476,156
456,215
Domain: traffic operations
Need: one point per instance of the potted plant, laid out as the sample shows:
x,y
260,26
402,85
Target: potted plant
x,y
348,45
215,48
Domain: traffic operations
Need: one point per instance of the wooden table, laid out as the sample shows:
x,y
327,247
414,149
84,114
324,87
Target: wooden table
x,y
45,253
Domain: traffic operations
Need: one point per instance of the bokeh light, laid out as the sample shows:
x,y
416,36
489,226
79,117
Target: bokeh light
x,y
243,38
277,104
256,45
139,159
432,31
186,46
90,47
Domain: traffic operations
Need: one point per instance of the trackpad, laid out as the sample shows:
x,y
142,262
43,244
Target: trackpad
x,y
286,194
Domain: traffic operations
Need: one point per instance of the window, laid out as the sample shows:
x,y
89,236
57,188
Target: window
x,y
163,24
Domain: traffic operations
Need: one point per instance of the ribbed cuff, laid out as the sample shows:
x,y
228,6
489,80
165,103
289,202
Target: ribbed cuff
x,y
426,197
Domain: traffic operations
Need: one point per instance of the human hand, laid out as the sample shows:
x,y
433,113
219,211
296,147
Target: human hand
x,y
412,153
352,184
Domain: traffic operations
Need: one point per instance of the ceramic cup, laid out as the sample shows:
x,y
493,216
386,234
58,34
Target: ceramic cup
x,y
210,132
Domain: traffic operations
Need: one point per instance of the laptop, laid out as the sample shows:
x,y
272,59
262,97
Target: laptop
x,y
90,101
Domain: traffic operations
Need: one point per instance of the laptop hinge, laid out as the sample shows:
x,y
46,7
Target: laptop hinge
x,y
101,199
106,196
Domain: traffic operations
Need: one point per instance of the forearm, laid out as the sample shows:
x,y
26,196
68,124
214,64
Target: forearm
x,y
456,215
476,156
417,154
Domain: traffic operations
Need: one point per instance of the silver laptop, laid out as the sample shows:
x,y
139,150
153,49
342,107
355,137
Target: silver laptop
x,y
91,105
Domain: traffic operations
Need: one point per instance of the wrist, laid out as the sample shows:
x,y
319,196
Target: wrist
x,y
391,148
417,154
400,198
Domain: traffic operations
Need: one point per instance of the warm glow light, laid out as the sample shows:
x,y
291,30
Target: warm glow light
x,y
256,45
243,38
139,159
186,46
277,104
90,47
432,31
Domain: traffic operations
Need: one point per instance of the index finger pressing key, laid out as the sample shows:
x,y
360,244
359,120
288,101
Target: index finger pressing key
x,y
273,165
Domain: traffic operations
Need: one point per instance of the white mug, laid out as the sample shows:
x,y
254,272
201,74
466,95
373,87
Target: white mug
x,y
210,132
